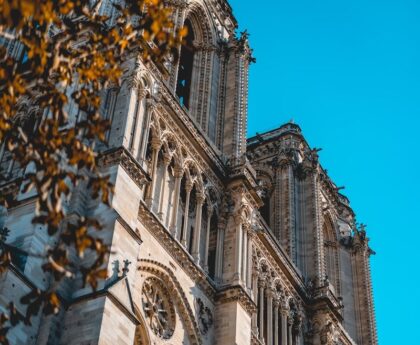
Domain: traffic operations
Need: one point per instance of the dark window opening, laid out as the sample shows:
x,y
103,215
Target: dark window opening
x,y
181,235
190,247
212,263
186,61
265,209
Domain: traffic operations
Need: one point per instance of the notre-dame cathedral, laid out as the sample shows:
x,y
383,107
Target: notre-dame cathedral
x,y
215,238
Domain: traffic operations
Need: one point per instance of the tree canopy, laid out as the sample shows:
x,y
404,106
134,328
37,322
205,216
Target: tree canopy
x,y
66,52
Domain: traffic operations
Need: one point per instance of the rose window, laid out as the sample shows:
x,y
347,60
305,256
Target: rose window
x,y
159,311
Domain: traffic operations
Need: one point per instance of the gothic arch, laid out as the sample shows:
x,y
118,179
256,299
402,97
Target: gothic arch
x,y
278,286
141,336
155,128
212,197
193,74
331,258
178,296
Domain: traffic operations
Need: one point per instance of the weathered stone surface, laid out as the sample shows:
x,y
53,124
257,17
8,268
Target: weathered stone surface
x,y
214,239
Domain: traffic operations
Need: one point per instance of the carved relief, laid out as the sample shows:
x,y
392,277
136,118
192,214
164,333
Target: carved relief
x,y
328,334
158,309
204,316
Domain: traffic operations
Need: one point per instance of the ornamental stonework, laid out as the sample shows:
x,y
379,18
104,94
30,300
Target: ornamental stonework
x,y
234,240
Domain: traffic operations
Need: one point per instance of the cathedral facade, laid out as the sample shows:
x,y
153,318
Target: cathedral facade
x,y
215,238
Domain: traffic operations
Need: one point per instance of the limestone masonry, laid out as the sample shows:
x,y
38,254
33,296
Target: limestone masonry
x,y
215,239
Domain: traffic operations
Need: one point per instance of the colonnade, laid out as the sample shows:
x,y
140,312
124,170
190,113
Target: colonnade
x,y
200,223
243,246
273,323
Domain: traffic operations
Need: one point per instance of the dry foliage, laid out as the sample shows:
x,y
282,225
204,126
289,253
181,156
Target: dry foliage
x,y
67,43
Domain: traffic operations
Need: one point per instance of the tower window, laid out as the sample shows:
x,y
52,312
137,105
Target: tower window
x,y
183,88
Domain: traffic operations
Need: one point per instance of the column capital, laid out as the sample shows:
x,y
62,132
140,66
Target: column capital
x,y
262,282
200,197
156,143
188,186
178,172
166,159
239,219
210,210
247,227
142,93
284,309
270,292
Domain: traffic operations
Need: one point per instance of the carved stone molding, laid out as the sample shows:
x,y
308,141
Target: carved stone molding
x,y
126,160
185,142
178,295
237,294
176,250
158,308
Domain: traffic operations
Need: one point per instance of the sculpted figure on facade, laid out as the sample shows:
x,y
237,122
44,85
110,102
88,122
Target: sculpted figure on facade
x,y
236,241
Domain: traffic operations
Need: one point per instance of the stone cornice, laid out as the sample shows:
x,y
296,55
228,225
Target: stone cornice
x,y
134,233
242,178
176,250
266,146
324,295
123,157
237,294
213,157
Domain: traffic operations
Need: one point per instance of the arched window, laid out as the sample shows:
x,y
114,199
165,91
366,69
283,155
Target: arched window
x,y
331,255
185,69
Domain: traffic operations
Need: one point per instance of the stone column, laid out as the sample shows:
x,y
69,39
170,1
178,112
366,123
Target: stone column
x,y
269,340
145,130
319,245
249,274
284,313
261,307
188,188
276,322
151,191
136,129
166,161
206,251
289,331
196,237
255,299
219,253
238,250
175,203
245,254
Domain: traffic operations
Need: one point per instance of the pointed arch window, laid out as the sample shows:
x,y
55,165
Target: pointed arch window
x,y
331,255
185,70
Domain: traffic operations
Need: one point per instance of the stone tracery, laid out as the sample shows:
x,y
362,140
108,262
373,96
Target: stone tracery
x,y
203,206
157,308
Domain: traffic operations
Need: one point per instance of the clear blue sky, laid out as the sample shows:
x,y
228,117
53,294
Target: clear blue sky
x,y
348,72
